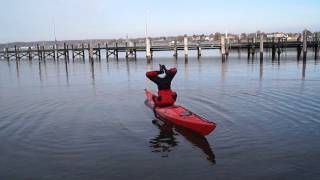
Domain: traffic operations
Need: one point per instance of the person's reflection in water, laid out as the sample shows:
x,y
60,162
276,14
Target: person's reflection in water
x,y
166,141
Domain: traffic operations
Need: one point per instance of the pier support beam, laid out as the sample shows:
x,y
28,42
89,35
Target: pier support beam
x,y
198,50
83,56
72,50
107,52
223,48
90,53
7,54
261,47
304,45
316,46
253,47
185,43
273,49
29,53
99,52
148,49
279,48
175,49
249,48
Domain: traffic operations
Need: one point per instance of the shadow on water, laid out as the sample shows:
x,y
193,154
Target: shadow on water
x,y
166,141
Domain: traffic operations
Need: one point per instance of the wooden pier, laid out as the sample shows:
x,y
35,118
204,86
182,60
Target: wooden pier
x,y
91,52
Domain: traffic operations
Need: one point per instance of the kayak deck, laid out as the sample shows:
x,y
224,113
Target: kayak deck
x,y
181,116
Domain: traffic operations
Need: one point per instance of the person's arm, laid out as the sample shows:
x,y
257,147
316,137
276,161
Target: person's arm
x,y
153,76
170,73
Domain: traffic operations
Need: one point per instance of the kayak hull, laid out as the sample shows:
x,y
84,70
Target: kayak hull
x,y
181,116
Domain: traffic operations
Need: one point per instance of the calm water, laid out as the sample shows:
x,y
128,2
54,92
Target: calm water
x,y
76,121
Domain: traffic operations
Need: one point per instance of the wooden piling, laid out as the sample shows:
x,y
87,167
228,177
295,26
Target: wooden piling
x,y
249,48
273,49
29,53
135,50
261,46
16,53
7,54
148,49
117,51
65,51
316,47
223,48
279,48
43,53
185,43
83,55
198,50
72,51
304,45
253,47
107,52
54,47
99,52
90,53
227,45
175,49
127,53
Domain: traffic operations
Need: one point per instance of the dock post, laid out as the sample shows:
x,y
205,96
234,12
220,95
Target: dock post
x,y
83,55
253,50
16,52
68,57
43,53
279,48
135,50
316,47
175,49
99,52
148,49
198,50
38,52
72,51
117,51
127,54
29,53
223,48
65,51
7,54
227,45
299,47
90,53
261,47
273,49
304,45
249,48
107,52
54,52
185,43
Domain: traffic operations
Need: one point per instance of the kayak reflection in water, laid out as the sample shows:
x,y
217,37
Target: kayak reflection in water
x,y
166,141
166,97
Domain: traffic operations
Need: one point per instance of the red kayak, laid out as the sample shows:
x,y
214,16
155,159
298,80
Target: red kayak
x,y
182,117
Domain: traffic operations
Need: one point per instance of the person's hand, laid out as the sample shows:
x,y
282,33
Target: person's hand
x,y
161,69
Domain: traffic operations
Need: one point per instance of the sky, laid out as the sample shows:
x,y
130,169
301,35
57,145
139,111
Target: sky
x,y
34,20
